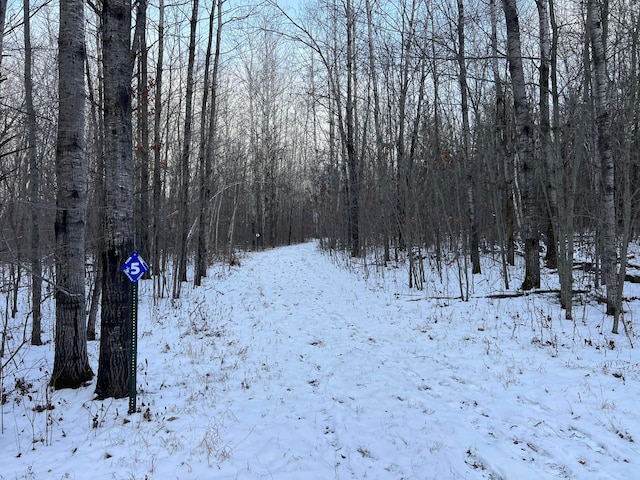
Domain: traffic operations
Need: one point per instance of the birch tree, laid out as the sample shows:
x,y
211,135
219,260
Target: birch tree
x,y
547,150
603,143
466,134
526,157
504,203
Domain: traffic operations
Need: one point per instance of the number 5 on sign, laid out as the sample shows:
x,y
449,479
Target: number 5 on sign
x,y
135,267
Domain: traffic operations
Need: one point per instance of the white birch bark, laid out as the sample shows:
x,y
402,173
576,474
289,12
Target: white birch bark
x,y
603,142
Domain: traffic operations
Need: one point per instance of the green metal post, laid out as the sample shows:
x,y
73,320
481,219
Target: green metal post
x,y
134,348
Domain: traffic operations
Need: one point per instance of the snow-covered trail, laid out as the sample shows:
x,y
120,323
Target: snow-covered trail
x,y
383,388
290,367
334,375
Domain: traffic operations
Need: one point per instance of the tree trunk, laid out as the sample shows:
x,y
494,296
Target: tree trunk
x,y
406,214
377,123
34,185
504,200
142,148
95,300
524,130
115,341
207,145
563,171
71,363
633,135
353,172
547,150
474,243
180,274
97,123
603,128
3,15
157,151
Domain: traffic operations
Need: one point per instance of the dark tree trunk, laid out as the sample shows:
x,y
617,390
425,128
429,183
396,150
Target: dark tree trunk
x,y
3,15
115,341
350,143
547,150
474,241
182,237
71,363
524,131
208,148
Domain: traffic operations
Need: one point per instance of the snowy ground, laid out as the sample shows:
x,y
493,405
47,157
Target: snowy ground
x,y
293,367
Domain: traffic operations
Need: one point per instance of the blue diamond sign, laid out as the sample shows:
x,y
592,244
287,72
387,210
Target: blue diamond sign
x,y
135,267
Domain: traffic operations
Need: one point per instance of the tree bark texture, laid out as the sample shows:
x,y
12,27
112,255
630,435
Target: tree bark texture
x,y
182,237
115,341
353,171
157,152
474,241
547,150
207,143
524,132
35,182
603,143
71,363
3,15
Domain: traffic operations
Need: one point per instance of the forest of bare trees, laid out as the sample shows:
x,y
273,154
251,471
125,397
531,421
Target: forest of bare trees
x,y
412,132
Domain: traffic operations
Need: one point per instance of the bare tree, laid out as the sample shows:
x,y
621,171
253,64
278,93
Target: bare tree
x,y
504,202
180,274
3,15
97,198
377,123
115,341
71,363
157,154
524,131
142,142
348,134
207,142
34,185
562,169
603,128
630,158
405,215
547,151
466,134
